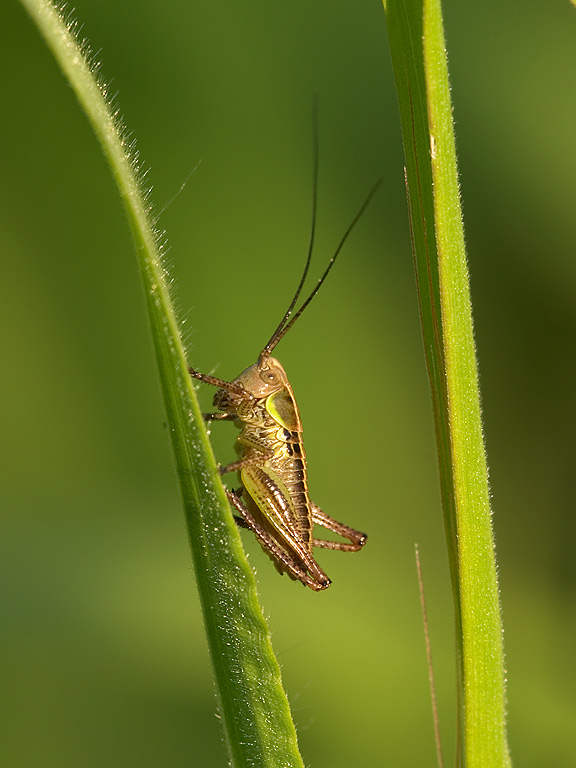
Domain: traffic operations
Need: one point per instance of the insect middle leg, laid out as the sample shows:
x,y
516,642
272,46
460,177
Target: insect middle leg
x,y
257,453
356,538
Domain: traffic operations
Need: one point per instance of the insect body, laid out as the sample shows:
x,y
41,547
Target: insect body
x,y
273,499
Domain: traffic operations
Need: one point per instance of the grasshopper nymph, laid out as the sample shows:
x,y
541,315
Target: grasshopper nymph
x,y
273,499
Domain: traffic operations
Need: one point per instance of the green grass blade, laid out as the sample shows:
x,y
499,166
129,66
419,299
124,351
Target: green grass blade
x,y
255,710
419,60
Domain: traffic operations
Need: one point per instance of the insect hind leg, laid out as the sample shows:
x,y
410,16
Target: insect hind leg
x,y
356,538
238,519
270,546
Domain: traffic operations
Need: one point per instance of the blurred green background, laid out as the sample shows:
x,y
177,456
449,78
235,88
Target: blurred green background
x,y
103,658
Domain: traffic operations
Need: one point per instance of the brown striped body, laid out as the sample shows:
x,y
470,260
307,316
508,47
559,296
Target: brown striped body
x,y
273,500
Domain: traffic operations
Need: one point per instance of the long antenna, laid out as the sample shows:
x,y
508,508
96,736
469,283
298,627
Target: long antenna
x,y
278,333
285,326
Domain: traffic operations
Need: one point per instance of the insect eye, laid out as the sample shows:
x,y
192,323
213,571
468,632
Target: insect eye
x,y
270,377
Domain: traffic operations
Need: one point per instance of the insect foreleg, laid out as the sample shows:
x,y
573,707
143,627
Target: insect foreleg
x,y
228,386
273,549
356,538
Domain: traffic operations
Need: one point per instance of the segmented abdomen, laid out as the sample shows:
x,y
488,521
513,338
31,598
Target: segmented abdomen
x,y
289,463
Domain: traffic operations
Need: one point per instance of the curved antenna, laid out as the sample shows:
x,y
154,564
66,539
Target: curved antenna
x,y
284,326
278,333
